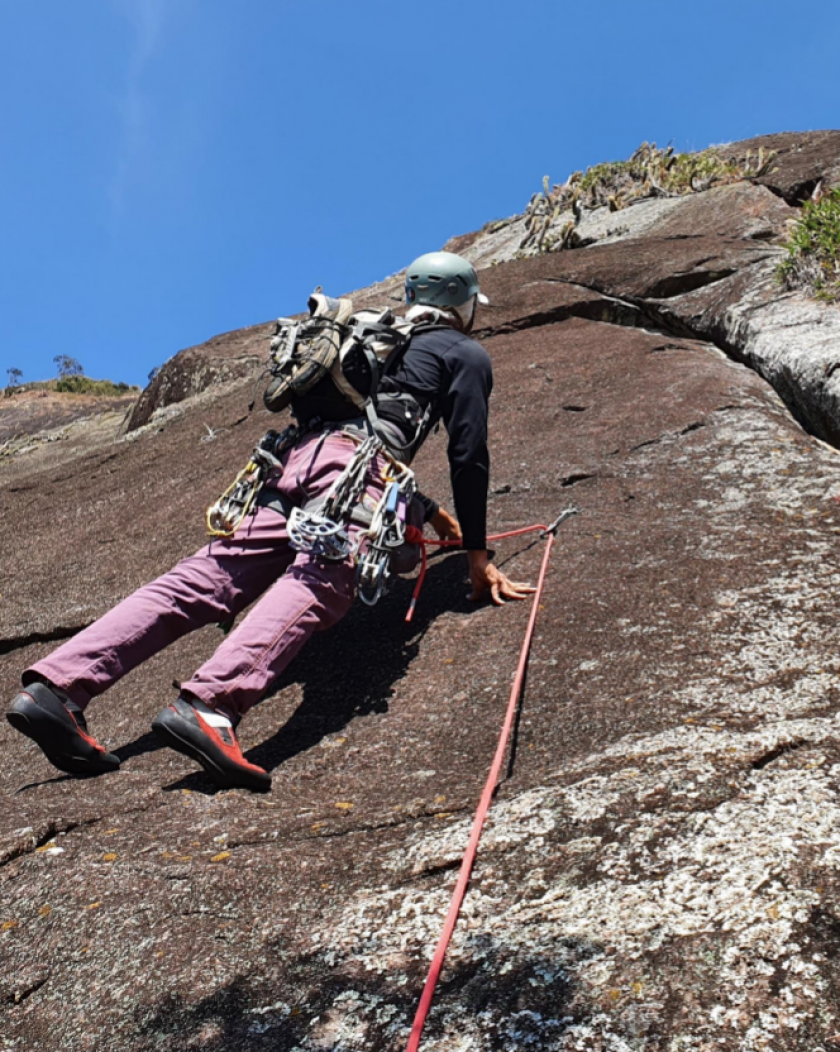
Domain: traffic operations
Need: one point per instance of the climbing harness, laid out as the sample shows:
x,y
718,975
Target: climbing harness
x,y
323,528
227,514
547,533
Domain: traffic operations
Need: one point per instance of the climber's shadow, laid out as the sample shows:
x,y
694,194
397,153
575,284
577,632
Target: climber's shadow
x,y
148,742
350,670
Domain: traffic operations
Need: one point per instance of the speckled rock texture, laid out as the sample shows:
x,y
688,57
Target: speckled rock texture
x,y
34,417
228,357
661,867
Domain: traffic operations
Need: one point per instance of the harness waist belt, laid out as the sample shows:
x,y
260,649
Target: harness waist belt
x,y
283,505
279,502
359,427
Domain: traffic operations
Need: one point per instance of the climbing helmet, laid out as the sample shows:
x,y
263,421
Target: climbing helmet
x,y
441,279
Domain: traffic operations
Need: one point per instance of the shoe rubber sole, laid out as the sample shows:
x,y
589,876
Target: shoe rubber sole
x,y
179,734
58,738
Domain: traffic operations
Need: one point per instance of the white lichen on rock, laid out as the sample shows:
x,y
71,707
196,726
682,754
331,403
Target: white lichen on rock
x,y
673,867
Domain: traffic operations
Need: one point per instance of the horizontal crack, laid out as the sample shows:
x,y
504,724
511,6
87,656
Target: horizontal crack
x,y
695,426
606,308
679,284
28,846
779,750
31,842
572,480
353,831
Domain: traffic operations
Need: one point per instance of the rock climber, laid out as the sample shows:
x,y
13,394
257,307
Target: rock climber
x,y
294,593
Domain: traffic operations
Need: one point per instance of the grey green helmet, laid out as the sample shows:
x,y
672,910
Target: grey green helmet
x,y
441,279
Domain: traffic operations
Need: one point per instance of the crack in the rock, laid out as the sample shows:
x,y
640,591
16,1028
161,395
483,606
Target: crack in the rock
x,y
607,309
353,831
56,828
572,480
625,311
694,426
660,347
654,319
439,867
19,996
779,750
690,281
769,234
798,194
54,635
53,829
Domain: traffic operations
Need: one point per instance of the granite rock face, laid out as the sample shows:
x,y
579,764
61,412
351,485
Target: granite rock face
x,y
53,415
219,361
661,867
803,160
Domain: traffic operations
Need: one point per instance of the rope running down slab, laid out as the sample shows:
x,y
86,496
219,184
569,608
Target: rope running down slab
x,y
549,533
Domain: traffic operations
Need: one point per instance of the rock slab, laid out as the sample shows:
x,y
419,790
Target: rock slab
x,y
660,867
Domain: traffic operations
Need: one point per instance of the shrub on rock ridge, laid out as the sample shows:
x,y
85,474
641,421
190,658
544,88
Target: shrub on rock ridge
x,y
650,172
84,385
813,252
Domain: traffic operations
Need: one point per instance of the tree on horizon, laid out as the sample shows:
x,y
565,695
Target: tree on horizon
x,y
67,366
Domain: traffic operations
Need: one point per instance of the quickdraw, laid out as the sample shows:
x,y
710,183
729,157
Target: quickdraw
x,y
386,533
228,513
324,529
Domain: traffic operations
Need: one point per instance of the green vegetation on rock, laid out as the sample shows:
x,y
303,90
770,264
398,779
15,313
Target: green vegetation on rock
x,y
813,251
650,172
73,385
84,385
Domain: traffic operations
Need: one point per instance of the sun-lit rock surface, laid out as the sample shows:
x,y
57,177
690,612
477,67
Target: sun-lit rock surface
x,y
661,868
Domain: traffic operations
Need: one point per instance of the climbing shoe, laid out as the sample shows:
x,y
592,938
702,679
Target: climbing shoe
x,y
193,728
47,716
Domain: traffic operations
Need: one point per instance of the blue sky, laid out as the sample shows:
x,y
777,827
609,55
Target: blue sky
x,y
172,169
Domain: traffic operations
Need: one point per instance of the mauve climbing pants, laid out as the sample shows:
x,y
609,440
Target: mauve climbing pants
x,y
300,594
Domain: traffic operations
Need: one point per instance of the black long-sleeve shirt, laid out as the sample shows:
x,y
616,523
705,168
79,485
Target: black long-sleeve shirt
x,y
447,371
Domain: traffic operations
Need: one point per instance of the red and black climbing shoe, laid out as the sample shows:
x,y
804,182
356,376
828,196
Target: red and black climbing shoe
x,y
207,736
47,716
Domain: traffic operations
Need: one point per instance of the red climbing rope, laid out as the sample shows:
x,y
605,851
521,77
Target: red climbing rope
x,y
490,786
415,536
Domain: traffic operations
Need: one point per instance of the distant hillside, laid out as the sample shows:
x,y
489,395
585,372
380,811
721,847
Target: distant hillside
x,y
72,385
42,408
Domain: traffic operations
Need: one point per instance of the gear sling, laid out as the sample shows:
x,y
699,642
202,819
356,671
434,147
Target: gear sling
x,y
344,357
